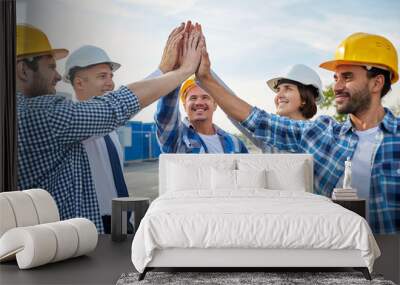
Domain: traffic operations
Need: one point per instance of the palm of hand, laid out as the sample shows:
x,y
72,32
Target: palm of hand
x,y
204,67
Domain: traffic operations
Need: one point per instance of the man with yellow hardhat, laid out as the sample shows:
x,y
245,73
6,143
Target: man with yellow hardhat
x,y
51,129
365,66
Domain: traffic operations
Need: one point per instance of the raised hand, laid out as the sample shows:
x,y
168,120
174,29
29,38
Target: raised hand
x,y
193,44
204,70
188,29
171,55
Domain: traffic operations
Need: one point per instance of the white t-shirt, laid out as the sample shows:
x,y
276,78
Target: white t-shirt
x,y
212,143
362,161
101,170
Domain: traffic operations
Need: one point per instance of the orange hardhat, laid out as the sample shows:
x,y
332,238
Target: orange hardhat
x,y
186,86
367,50
33,42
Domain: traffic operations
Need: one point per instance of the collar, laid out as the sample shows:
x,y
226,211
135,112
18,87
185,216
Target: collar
x,y
389,123
218,130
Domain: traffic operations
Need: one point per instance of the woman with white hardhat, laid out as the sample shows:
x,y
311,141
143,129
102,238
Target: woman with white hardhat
x,y
297,92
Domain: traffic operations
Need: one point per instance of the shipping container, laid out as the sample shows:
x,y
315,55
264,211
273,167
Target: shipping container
x,y
139,141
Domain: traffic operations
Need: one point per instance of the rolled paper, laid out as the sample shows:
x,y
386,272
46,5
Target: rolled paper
x,y
45,205
33,246
23,208
67,239
7,217
87,235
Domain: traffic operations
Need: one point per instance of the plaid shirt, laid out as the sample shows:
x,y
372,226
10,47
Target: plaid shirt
x,y
177,136
50,154
331,143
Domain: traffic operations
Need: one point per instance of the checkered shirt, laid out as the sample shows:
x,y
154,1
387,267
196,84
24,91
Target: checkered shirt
x,y
50,154
331,143
177,136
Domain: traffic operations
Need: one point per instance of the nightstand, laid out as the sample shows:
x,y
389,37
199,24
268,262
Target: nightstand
x,y
357,205
120,207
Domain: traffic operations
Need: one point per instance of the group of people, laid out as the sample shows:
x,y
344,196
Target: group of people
x,y
70,148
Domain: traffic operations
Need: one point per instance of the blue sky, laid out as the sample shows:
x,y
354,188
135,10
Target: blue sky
x,y
248,41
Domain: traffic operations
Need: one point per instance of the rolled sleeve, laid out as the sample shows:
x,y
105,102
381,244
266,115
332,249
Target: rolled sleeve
x,y
250,122
76,121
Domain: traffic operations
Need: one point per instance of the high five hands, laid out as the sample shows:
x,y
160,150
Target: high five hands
x,y
186,49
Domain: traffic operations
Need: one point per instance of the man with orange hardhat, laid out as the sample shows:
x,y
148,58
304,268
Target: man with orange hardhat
x,y
365,66
51,128
196,133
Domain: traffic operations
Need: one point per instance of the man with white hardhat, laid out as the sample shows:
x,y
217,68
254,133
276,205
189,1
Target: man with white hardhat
x,y
90,70
51,128
365,66
298,92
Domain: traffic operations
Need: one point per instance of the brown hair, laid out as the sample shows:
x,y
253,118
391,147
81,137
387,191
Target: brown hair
x,y
308,95
374,72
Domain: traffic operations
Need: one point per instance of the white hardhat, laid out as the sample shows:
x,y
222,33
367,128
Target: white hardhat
x,y
86,56
301,74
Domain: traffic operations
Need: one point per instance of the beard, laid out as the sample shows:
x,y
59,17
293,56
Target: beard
x,y
41,86
358,102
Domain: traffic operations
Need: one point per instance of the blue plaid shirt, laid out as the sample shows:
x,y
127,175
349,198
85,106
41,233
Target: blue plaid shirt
x,y
177,136
50,154
331,143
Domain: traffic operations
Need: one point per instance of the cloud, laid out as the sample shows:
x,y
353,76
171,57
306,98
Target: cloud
x,y
170,7
248,41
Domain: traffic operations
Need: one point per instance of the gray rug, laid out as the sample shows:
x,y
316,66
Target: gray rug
x,y
230,278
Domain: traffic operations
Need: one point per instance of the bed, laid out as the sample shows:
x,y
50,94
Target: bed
x,y
245,211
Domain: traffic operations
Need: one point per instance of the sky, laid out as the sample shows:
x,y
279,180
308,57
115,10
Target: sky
x,y
249,42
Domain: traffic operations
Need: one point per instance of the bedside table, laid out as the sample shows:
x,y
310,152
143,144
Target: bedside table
x,y
120,206
357,206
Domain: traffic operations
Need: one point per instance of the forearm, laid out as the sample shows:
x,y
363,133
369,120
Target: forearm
x,y
150,90
71,122
167,119
232,105
258,142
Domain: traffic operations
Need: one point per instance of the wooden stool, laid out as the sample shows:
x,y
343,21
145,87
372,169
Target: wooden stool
x,y
120,207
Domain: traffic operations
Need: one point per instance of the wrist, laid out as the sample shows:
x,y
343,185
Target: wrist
x,y
164,69
185,72
205,77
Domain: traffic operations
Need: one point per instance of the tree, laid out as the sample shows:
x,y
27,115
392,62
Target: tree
x,y
328,103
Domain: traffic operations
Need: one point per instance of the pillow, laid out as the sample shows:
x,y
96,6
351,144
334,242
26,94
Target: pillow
x,y
223,179
188,177
279,180
281,174
251,179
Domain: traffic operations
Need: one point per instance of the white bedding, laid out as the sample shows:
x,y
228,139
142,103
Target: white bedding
x,y
250,218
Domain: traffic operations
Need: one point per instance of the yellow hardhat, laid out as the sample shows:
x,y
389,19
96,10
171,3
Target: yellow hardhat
x,y
33,42
186,86
366,49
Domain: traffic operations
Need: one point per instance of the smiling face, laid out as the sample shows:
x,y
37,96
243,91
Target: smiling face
x,y
199,106
288,101
351,88
93,81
